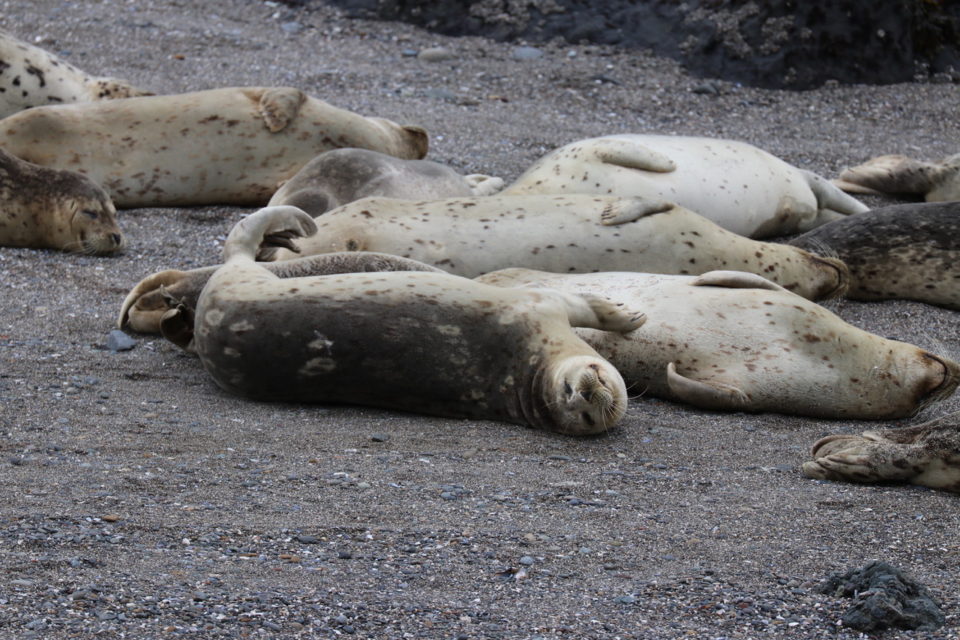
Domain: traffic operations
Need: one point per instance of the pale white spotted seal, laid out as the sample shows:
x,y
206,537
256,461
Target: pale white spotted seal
x,y
32,77
415,341
564,234
927,454
736,185
340,176
223,146
907,251
734,341
147,304
900,175
53,209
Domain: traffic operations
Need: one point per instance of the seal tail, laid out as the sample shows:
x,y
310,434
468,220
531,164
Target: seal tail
x,y
268,227
146,286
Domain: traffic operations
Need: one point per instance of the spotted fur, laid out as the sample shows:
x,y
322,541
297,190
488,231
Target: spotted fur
x,y
900,175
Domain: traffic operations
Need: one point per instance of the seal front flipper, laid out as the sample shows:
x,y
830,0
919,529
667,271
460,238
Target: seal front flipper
x,y
735,280
279,106
631,155
596,312
707,395
632,209
483,185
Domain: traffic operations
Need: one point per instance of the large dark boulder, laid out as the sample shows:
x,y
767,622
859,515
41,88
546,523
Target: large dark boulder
x,y
795,44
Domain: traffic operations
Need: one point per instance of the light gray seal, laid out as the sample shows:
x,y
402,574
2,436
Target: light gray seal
x,y
927,454
32,77
53,209
900,175
415,341
907,251
340,176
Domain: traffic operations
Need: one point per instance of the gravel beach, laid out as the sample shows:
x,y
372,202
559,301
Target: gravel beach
x,y
141,501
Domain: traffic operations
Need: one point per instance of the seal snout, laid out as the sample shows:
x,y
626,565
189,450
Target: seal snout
x,y
942,383
592,397
838,279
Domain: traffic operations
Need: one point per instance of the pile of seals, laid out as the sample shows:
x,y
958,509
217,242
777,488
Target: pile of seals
x,y
376,277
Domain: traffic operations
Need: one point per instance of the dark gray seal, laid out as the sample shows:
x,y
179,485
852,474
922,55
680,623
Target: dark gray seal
x,y
907,251
431,343
340,176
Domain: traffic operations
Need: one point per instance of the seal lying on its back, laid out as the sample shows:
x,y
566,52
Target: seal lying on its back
x,y
32,77
734,341
340,176
736,185
223,146
416,341
564,234
907,251
895,174
147,308
52,209
927,454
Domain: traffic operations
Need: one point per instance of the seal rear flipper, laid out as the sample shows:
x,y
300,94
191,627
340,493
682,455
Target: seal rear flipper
x,y
270,226
735,280
631,155
145,300
176,325
853,187
706,395
483,185
279,106
626,210
831,198
868,457
891,174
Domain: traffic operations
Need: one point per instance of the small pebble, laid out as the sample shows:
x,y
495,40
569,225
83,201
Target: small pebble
x,y
119,341
526,53
436,54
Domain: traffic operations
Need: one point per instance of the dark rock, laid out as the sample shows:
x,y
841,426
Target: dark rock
x,y
766,43
885,599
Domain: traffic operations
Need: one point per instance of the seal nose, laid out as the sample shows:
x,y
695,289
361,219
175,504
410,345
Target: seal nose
x,y
842,274
948,381
116,239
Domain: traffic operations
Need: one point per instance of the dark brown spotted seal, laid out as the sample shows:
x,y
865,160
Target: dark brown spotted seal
x,y
927,454
415,341
340,176
53,209
222,146
564,234
32,77
906,251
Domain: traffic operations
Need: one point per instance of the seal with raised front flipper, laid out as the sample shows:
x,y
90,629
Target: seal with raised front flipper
x,y
927,454
565,234
906,251
900,175
340,176
222,146
51,209
737,342
736,185
32,77
416,341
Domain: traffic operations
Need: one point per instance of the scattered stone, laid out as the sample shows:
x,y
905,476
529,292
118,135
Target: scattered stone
x,y
379,437
409,53
293,27
119,341
527,560
436,54
885,599
526,53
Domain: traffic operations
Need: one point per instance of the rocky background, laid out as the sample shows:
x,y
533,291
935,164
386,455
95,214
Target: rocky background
x,y
140,501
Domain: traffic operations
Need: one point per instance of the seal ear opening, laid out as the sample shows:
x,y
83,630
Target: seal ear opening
x,y
136,301
707,395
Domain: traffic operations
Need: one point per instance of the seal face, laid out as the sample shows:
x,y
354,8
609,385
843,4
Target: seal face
x,y
223,146
927,454
415,341
48,208
896,174
340,176
564,234
736,185
909,252
733,341
32,77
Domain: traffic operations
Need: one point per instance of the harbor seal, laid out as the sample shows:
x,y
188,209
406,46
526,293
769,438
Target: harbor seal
x,y
32,77
900,175
223,146
564,234
340,176
736,185
907,251
151,300
927,454
415,341
53,209
734,341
